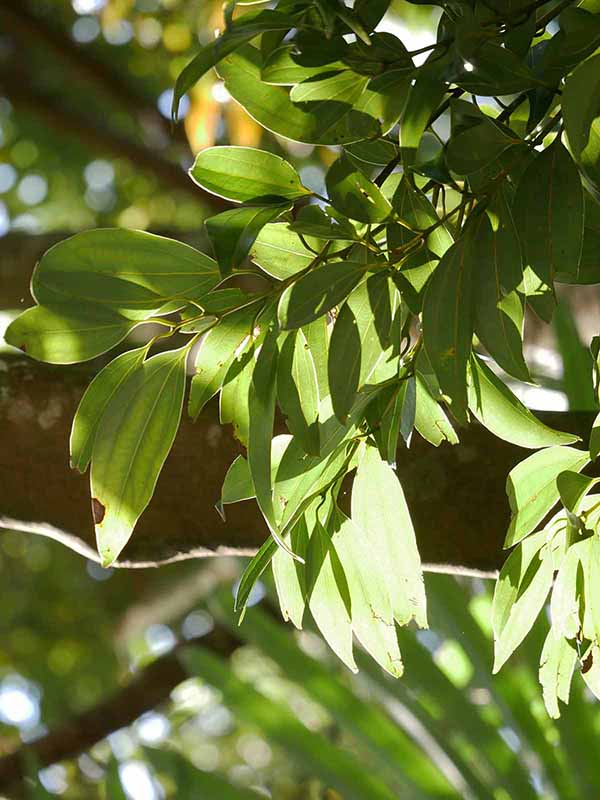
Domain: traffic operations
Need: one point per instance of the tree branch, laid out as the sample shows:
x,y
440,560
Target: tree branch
x,y
146,691
456,494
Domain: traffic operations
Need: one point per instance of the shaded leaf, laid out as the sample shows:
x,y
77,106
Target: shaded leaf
x,y
232,233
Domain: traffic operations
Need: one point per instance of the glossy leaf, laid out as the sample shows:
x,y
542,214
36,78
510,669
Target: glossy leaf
x,y
502,413
232,233
245,174
317,292
133,440
532,490
354,195
379,509
66,335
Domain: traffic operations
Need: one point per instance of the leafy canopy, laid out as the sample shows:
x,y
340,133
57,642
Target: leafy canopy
x,y
392,306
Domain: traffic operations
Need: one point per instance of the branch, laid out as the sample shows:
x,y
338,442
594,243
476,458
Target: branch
x,y
146,691
456,494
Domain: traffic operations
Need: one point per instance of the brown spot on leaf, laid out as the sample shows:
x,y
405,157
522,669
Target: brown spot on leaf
x,y
587,663
98,511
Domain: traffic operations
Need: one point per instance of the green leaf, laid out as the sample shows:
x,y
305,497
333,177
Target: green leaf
x,y
566,605
94,402
216,353
572,488
550,222
298,390
65,335
417,214
557,664
497,408
358,340
324,122
255,568
328,595
233,400
281,253
430,420
245,174
232,233
532,490
289,575
283,67
477,146
578,37
133,440
238,484
581,115
238,34
317,292
595,439
372,616
129,271
424,98
386,96
522,588
379,509
494,70
324,223
576,360
448,314
354,195
344,86
499,312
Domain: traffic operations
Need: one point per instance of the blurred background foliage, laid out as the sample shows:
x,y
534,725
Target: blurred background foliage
x,y
85,140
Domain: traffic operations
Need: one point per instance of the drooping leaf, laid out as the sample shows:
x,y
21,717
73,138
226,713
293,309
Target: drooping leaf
x,y
581,114
289,577
317,292
245,174
216,353
238,484
532,490
354,195
233,399
95,400
424,98
502,413
430,420
298,390
67,335
379,509
557,664
232,233
133,440
522,588
254,569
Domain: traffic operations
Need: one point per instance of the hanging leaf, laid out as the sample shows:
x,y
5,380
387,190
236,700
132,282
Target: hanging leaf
x,y
96,399
134,437
298,390
255,568
245,174
317,292
532,490
238,484
497,408
379,509
216,353
66,335
232,233
581,115
430,420
557,664
424,98
289,575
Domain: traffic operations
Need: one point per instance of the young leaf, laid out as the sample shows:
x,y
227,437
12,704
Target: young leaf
x,y
317,292
557,664
245,174
216,353
328,594
354,195
532,490
298,390
379,509
94,402
134,438
324,122
232,233
122,269
550,223
502,413
522,588
66,335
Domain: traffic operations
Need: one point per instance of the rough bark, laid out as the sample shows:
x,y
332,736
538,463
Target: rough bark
x,y
456,494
